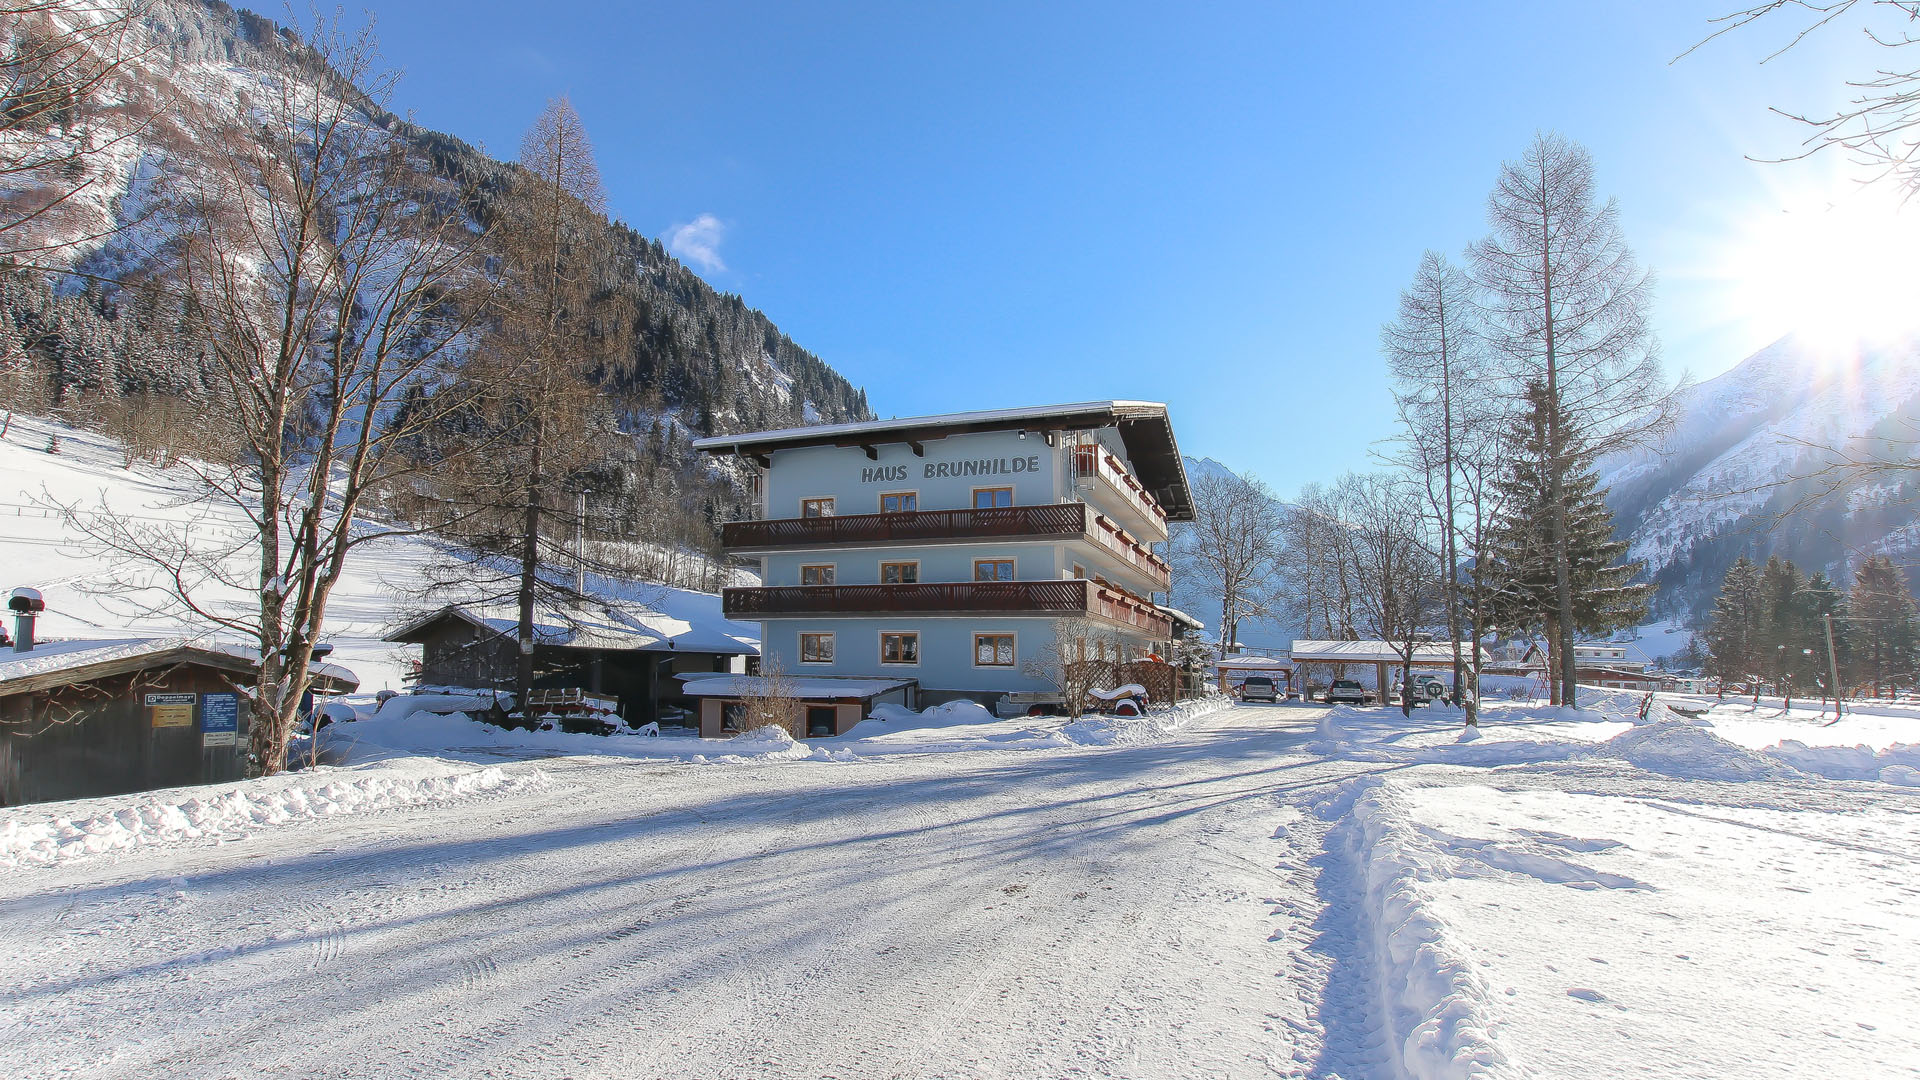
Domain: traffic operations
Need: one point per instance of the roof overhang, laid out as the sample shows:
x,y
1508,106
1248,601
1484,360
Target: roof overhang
x,y
1143,426
323,678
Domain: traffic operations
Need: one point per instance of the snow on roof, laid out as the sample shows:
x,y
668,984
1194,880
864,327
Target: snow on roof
x,y
1255,663
1181,617
676,620
1357,652
712,685
875,427
117,654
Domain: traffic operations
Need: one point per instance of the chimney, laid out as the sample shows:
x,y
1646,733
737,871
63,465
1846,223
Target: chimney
x,y
26,604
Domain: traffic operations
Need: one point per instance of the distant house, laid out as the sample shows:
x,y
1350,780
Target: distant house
x,y
627,652
1621,678
80,719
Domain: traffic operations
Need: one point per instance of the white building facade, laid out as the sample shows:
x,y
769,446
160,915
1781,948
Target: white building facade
x,y
951,550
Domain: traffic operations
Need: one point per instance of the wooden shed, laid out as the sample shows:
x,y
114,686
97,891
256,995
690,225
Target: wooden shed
x,y
630,653
80,719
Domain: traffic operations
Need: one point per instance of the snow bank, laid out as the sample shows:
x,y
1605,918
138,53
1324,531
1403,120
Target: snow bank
x,y
1155,724
1439,1011
63,832
958,726
1680,749
1897,764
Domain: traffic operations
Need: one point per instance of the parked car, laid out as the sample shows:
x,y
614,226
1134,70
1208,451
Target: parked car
x,y
1259,688
1426,690
1348,692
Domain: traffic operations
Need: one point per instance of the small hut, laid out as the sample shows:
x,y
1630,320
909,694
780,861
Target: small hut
x,y
80,719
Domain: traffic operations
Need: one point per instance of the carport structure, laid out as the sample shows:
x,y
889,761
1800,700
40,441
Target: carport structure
x,y
1381,654
1233,670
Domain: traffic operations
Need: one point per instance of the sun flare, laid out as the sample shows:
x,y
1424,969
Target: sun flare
x,y
1835,273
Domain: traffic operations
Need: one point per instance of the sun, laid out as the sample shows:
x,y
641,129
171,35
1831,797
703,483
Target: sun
x,y
1838,272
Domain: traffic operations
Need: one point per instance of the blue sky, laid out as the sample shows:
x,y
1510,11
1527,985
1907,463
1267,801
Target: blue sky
x,y
1212,205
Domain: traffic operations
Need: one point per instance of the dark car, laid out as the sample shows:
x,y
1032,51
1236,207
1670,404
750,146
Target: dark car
x,y
1259,688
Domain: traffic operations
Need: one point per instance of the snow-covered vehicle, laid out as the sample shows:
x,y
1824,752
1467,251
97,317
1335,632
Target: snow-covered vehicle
x,y
1348,692
1259,688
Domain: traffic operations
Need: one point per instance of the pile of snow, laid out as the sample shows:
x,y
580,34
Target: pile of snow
x,y
410,731
61,832
1438,1010
1155,724
1897,764
1693,753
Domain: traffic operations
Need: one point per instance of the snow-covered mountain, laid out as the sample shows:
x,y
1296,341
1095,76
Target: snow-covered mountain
x,y
1723,481
196,79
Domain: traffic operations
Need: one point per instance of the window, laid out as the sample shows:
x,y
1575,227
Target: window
x,y
1079,571
899,502
816,508
822,720
993,569
816,648
732,715
899,573
993,650
819,574
990,498
899,648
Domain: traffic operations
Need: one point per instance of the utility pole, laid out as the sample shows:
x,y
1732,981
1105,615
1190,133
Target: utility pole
x,y
580,544
1833,667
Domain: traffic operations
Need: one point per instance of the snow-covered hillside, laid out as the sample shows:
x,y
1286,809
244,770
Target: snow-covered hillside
x,y
41,548
1715,486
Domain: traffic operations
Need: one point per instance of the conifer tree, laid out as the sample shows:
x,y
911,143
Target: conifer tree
x,y
1521,552
1732,651
1885,635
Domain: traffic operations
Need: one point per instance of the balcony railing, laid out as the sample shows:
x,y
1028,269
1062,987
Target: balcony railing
x,y
1062,521
1093,461
1061,598
1046,520
1115,539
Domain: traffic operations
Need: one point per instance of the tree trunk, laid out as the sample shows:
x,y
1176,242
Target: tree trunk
x,y
529,571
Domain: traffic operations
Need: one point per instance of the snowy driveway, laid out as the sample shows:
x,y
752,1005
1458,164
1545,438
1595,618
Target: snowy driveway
x,y
1102,913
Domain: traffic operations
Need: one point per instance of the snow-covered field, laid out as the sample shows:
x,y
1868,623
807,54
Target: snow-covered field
x,y
1262,891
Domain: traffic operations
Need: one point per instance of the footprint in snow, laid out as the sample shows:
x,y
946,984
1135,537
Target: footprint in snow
x,y
1585,994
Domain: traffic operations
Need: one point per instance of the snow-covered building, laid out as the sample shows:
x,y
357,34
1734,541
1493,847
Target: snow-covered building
x,y
630,653
947,550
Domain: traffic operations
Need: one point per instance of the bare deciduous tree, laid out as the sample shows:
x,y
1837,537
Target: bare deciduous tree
x,y
1233,545
772,703
1083,654
1441,393
323,267
1567,307
56,59
1880,127
554,325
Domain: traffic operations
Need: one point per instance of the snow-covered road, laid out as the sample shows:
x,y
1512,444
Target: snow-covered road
x,y
1112,912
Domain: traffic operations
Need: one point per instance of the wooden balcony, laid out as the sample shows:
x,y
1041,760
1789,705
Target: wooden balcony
x,y
1093,462
1051,599
1052,521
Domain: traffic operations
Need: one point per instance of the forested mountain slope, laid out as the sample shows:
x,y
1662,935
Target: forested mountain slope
x,y
1738,474
697,361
